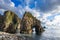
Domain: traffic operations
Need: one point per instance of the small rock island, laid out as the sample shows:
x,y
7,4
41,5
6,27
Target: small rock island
x,y
29,22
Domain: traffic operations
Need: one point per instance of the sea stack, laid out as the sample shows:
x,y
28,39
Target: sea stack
x,y
11,22
29,22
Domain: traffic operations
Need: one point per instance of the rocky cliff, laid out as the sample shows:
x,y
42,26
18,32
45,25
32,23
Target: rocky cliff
x,y
11,23
29,22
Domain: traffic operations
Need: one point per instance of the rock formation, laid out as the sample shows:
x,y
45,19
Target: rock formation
x,y
11,22
29,22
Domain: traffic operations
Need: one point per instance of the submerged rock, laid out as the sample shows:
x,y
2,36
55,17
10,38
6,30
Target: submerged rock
x,y
29,22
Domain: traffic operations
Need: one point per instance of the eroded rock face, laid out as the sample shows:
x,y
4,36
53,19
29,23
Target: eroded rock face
x,y
11,22
28,22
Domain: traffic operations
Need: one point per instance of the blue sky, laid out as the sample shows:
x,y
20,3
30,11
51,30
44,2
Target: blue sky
x,y
47,11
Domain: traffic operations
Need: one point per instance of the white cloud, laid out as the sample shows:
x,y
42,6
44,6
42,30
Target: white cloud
x,y
56,21
9,5
2,11
34,12
12,4
56,18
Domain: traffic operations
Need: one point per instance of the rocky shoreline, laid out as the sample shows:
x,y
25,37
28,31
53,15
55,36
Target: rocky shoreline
x,y
7,36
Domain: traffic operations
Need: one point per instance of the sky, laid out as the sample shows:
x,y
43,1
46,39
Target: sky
x,y
47,11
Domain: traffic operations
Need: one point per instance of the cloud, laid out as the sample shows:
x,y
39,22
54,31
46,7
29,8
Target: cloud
x,y
12,4
47,5
2,11
34,12
47,18
47,11
54,17
56,20
9,5
6,3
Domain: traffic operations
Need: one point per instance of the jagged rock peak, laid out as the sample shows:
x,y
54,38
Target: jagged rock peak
x,y
28,14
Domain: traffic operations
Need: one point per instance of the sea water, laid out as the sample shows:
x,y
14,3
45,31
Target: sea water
x,y
50,33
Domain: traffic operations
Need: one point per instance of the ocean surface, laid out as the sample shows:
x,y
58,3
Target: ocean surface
x,y
50,33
